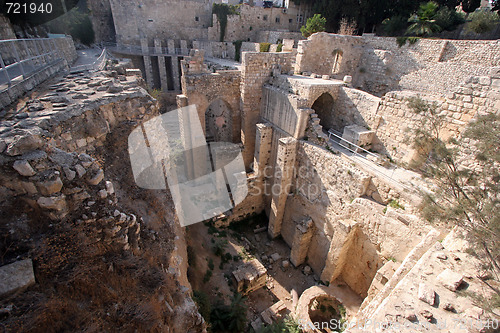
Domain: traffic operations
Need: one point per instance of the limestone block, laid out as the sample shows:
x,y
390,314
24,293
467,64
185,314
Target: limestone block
x,y
53,203
70,174
24,168
49,187
24,143
16,276
80,170
110,188
450,280
426,294
359,136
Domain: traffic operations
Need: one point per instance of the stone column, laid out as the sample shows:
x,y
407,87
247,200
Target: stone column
x,y
285,161
184,47
161,65
171,46
262,149
304,232
148,68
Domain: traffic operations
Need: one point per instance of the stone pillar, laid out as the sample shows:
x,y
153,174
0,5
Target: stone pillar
x,y
262,149
161,65
285,161
184,47
304,232
148,68
175,73
171,46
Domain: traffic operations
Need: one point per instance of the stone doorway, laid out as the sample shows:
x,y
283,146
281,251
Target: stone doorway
x,y
323,106
218,118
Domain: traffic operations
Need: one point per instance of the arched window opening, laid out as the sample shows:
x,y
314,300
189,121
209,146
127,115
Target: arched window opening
x,y
337,61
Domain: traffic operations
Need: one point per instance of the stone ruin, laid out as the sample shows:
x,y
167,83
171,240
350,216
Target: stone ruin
x,y
305,119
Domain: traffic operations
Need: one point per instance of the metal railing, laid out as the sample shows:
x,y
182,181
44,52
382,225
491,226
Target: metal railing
x,y
97,65
20,58
353,148
148,51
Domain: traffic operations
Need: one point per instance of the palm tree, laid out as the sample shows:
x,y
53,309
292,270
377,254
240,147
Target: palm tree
x,y
423,22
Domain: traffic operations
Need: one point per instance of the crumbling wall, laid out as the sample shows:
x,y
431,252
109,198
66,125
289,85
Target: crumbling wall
x,y
478,96
428,65
257,68
252,20
317,54
203,89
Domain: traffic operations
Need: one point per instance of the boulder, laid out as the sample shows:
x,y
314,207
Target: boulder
x,y
426,294
53,203
16,276
49,187
450,280
24,168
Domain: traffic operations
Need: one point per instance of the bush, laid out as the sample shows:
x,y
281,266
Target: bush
x,y
482,21
264,47
279,48
448,19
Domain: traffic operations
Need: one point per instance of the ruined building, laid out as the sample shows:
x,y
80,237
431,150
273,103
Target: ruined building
x,y
322,127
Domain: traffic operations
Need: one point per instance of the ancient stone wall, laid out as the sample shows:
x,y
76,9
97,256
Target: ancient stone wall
x,y
172,19
257,68
204,89
276,36
479,95
251,21
216,49
102,20
329,54
427,65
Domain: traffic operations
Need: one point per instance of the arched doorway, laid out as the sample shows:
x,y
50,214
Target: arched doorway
x,y
323,106
218,124
337,61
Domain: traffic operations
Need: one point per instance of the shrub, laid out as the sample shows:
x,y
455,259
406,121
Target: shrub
x,y
482,21
448,19
279,48
191,256
264,47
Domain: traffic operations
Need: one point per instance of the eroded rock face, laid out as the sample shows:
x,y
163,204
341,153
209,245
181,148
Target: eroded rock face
x,y
48,160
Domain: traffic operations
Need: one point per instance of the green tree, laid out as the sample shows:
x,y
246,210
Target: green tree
x,y
229,318
448,19
314,24
424,23
467,188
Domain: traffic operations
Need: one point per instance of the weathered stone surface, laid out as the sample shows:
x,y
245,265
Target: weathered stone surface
x,y
62,158
97,178
70,174
53,203
16,276
49,187
80,170
23,143
426,294
450,279
24,168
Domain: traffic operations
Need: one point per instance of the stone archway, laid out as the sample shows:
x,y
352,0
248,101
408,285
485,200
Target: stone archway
x,y
323,106
218,121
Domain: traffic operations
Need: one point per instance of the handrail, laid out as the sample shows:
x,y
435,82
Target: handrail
x,y
149,50
28,60
363,158
97,65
